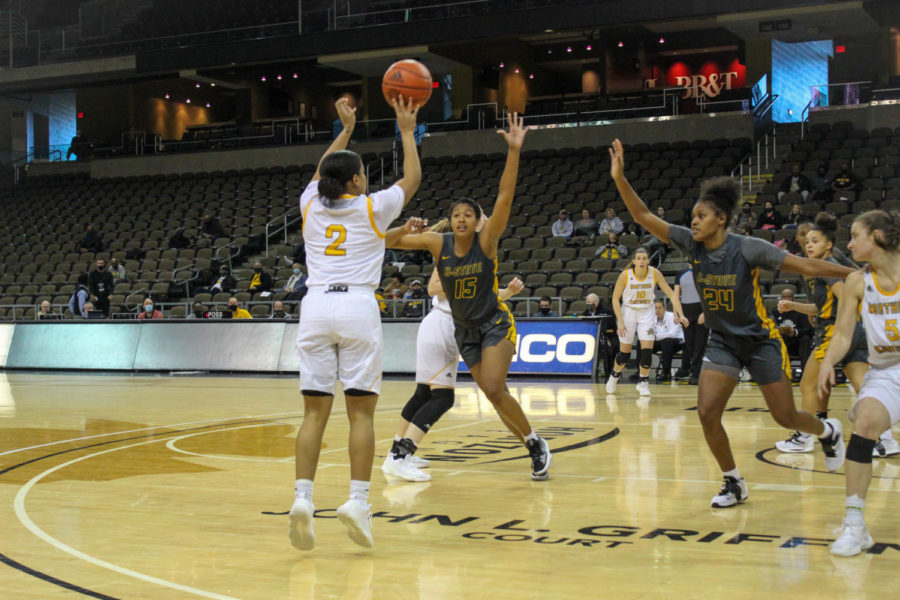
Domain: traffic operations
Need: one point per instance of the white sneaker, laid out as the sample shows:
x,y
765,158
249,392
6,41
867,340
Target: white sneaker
x,y
798,442
302,535
355,515
418,461
733,492
403,469
853,540
611,384
886,447
643,388
833,446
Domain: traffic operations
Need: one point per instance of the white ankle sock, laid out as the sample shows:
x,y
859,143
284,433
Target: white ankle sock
x,y
397,438
732,473
855,505
886,435
303,488
359,490
531,436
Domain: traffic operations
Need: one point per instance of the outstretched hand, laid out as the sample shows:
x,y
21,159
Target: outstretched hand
x,y
616,159
346,113
516,134
415,225
406,111
515,286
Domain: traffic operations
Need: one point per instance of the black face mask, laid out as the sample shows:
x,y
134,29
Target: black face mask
x,y
591,307
745,209
770,209
257,270
544,310
278,314
199,314
101,267
232,307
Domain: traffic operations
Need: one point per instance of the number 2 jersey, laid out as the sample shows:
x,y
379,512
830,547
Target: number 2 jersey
x,y
345,242
880,314
470,283
727,280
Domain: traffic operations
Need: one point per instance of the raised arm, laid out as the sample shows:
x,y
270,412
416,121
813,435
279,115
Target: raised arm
x,y
672,296
844,325
801,307
814,267
493,229
633,202
395,234
347,115
412,170
512,288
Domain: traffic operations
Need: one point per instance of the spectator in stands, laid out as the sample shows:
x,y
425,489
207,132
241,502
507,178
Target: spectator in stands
x,y
91,242
261,282
296,285
209,230
88,307
414,307
397,282
795,329
696,333
100,283
545,309
844,181
278,311
613,250
235,311
199,312
612,223
179,240
669,340
796,182
821,185
149,311
117,270
586,225
769,218
563,227
225,282
80,146
79,297
796,217
45,311
382,305
743,218
592,306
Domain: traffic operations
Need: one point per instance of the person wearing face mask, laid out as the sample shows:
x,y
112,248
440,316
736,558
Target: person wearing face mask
x,y
743,218
234,311
261,281
613,250
844,184
545,308
199,312
225,282
100,283
149,311
769,218
795,182
279,313
117,270
296,285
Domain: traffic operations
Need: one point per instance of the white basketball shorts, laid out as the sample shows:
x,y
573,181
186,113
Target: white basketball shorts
x,y
340,338
884,386
638,322
437,357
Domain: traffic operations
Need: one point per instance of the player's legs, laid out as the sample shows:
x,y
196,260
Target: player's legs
x,y
360,413
317,409
712,397
800,442
645,359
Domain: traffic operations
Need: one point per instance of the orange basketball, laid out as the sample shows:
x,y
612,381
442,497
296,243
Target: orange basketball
x,y
409,78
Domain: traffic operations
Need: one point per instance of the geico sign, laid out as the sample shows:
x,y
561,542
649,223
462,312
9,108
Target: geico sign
x,y
545,347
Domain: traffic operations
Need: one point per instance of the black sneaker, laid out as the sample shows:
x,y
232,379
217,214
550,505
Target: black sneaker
x,y
733,492
540,458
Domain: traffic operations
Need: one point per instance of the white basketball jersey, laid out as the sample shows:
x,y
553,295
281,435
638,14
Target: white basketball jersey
x,y
880,313
440,303
639,293
345,243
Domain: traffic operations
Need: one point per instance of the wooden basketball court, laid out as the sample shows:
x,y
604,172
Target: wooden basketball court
x,y
126,486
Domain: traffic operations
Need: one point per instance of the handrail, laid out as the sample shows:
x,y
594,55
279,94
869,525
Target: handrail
x,y
804,117
286,222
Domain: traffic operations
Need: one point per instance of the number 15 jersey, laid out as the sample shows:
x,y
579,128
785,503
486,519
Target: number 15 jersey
x,y
345,242
470,283
727,281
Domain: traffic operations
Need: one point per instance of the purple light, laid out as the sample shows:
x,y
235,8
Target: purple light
x,y
569,49
662,40
501,65
263,78
621,44
516,70
531,76
167,96
188,100
588,48
207,105
278,77
296,76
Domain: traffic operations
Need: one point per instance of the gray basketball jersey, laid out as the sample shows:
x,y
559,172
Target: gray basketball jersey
x,y
470,283
727,281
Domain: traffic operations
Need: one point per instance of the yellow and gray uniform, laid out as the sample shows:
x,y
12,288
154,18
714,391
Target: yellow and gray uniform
x,y
826,314
727,280
470,285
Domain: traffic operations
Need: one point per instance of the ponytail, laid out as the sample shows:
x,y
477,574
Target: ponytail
x,y
335,170
884,227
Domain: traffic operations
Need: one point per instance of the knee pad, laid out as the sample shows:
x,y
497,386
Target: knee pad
x,y
859,449
418,400
622,358
441,401
646,357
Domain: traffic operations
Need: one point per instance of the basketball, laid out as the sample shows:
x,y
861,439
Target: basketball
x,y
409,78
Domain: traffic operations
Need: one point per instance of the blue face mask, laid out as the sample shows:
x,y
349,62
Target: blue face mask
x,y
296,271
148,308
